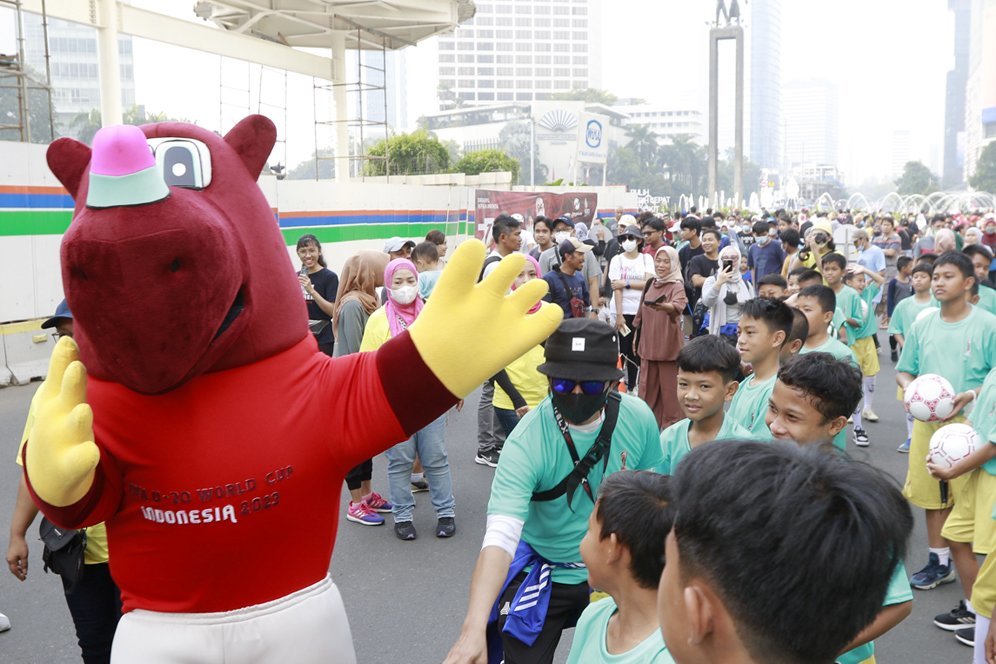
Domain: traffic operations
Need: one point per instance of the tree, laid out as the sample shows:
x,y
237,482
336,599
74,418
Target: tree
x,y
590,95
417,153
916,179
84,125
686,164
514,140
984,178
643,141
487,161
306,169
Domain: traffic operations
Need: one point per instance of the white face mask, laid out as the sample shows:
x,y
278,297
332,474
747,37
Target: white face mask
x,y
404,295
560,236
763,240
629,245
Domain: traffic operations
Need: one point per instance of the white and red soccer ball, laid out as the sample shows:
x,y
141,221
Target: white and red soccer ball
x,y
929,398
952,443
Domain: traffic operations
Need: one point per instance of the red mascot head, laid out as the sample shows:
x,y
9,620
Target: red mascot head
x,y
174,265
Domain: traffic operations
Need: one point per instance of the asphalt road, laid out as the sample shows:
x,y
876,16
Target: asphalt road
x,y
406,600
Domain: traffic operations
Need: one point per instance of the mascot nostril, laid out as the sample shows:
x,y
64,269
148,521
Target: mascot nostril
x,y
217,423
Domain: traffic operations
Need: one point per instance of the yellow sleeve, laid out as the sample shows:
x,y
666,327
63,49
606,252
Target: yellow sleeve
x,y
28,423
376,333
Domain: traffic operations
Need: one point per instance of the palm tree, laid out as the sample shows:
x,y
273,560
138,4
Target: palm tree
x,y
643,141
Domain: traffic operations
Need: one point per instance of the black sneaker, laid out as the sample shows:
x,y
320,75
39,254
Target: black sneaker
x,y
405,530
955,619
445,527
895,356
419,486
489,458
860,437
966,635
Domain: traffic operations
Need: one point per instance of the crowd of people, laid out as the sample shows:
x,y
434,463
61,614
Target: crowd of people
x,y
764,331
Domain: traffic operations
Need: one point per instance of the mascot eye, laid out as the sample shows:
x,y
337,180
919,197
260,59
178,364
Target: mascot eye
x,y
184,162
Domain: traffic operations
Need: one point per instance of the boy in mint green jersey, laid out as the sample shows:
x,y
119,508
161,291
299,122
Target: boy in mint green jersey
x,y
847,316
707,379
764,327
863,345
622,552
809,405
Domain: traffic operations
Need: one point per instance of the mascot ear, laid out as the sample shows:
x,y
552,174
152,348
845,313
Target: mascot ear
x,y
68,159
253,139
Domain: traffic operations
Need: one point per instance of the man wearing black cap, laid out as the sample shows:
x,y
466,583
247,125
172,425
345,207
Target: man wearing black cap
x,y
568,287
543,494
591,270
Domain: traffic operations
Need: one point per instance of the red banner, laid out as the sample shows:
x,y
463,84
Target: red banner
x,y
489,204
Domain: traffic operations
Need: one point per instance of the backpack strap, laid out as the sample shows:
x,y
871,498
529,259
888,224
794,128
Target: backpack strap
x,y
598,452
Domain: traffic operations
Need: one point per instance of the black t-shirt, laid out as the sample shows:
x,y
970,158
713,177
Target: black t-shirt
x,y
326,284
703,266
563,287
687,253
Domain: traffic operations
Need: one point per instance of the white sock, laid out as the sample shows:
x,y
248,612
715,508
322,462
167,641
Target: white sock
x,y
416,477
857,418
981,628
909,425
968,605
943,554
868,390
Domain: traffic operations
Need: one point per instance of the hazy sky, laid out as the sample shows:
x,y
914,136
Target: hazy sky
x,y
887,60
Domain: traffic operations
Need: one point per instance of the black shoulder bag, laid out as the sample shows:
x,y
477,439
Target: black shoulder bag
x,y
599,452
63,552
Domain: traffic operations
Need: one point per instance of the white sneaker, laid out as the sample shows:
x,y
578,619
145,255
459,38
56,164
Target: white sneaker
x,y
869,414
4,623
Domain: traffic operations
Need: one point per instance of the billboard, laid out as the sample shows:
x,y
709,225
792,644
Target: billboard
x,y
580,206
593,148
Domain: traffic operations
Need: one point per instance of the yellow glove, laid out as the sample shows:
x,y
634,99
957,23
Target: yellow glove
x,y
61,455
468,331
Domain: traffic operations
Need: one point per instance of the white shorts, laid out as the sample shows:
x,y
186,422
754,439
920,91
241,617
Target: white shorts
x,y
307,626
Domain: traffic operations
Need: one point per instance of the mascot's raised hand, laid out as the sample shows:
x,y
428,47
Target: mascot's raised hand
x,y
63,455
468,331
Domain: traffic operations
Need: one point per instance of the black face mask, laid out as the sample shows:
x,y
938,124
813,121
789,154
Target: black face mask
x,y
578,408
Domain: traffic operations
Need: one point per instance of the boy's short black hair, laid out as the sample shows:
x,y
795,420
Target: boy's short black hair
x,y
800,327
834,258
543,220
503,225
773,279
654,223
924,266
830,529
435,236
760,227
977,250
810,275
800,270
789,237
959,260
712,230
636,506
426,252
775,314
902,262
833,386
691,224
927,258
710,353
824,295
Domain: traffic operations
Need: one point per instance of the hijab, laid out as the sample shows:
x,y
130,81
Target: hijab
x,y
737,290
535,264
730,252
944,240
674,275
400,316
360,277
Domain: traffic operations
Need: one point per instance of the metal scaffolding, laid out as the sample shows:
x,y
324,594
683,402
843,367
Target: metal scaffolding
x,y
14,75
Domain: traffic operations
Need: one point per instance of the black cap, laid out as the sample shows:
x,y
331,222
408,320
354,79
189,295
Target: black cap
x,y
61,311
564,220
582,349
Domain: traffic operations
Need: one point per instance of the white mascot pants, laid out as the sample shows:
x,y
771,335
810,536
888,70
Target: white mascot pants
x,y
307,626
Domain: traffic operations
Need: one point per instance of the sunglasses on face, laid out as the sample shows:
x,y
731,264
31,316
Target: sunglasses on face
x,y
566,386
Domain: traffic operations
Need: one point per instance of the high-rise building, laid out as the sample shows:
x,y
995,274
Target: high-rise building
x,y
980,89
955,88
516,50
764,82
665,121
73,56
902,151
383,77
810,123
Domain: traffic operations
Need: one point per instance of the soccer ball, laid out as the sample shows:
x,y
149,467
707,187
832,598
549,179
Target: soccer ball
x,y
864,309
929,398
926,312
952,443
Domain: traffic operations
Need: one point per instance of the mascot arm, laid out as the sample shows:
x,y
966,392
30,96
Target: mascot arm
x,y
61,462
468,331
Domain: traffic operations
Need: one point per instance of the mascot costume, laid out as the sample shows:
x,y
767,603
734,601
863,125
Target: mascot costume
x,y
206,428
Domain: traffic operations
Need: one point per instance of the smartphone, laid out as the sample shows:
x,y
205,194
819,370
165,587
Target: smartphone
x,y
625,330
728,266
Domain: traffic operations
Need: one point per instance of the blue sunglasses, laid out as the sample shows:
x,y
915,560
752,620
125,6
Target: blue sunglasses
x,y
566,386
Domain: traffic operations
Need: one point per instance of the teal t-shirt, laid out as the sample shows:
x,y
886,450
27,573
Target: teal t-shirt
x,y
905,313
750,405
427,282
963,352
535,458
675,445
987,299
983,416
870,325
835,348
589,640
899,592
848,306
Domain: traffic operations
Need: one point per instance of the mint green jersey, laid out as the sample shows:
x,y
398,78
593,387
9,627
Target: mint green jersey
x,y
589,640
675,445
963,352
987,299
983,416
750,405
906,312
869,324
848,306
535,458
899,592
835,348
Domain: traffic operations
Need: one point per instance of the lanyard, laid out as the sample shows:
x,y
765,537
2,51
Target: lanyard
x,y
566,432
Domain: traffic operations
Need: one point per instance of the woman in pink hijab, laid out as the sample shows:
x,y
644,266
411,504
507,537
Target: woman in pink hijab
x,y
401,309
660,337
